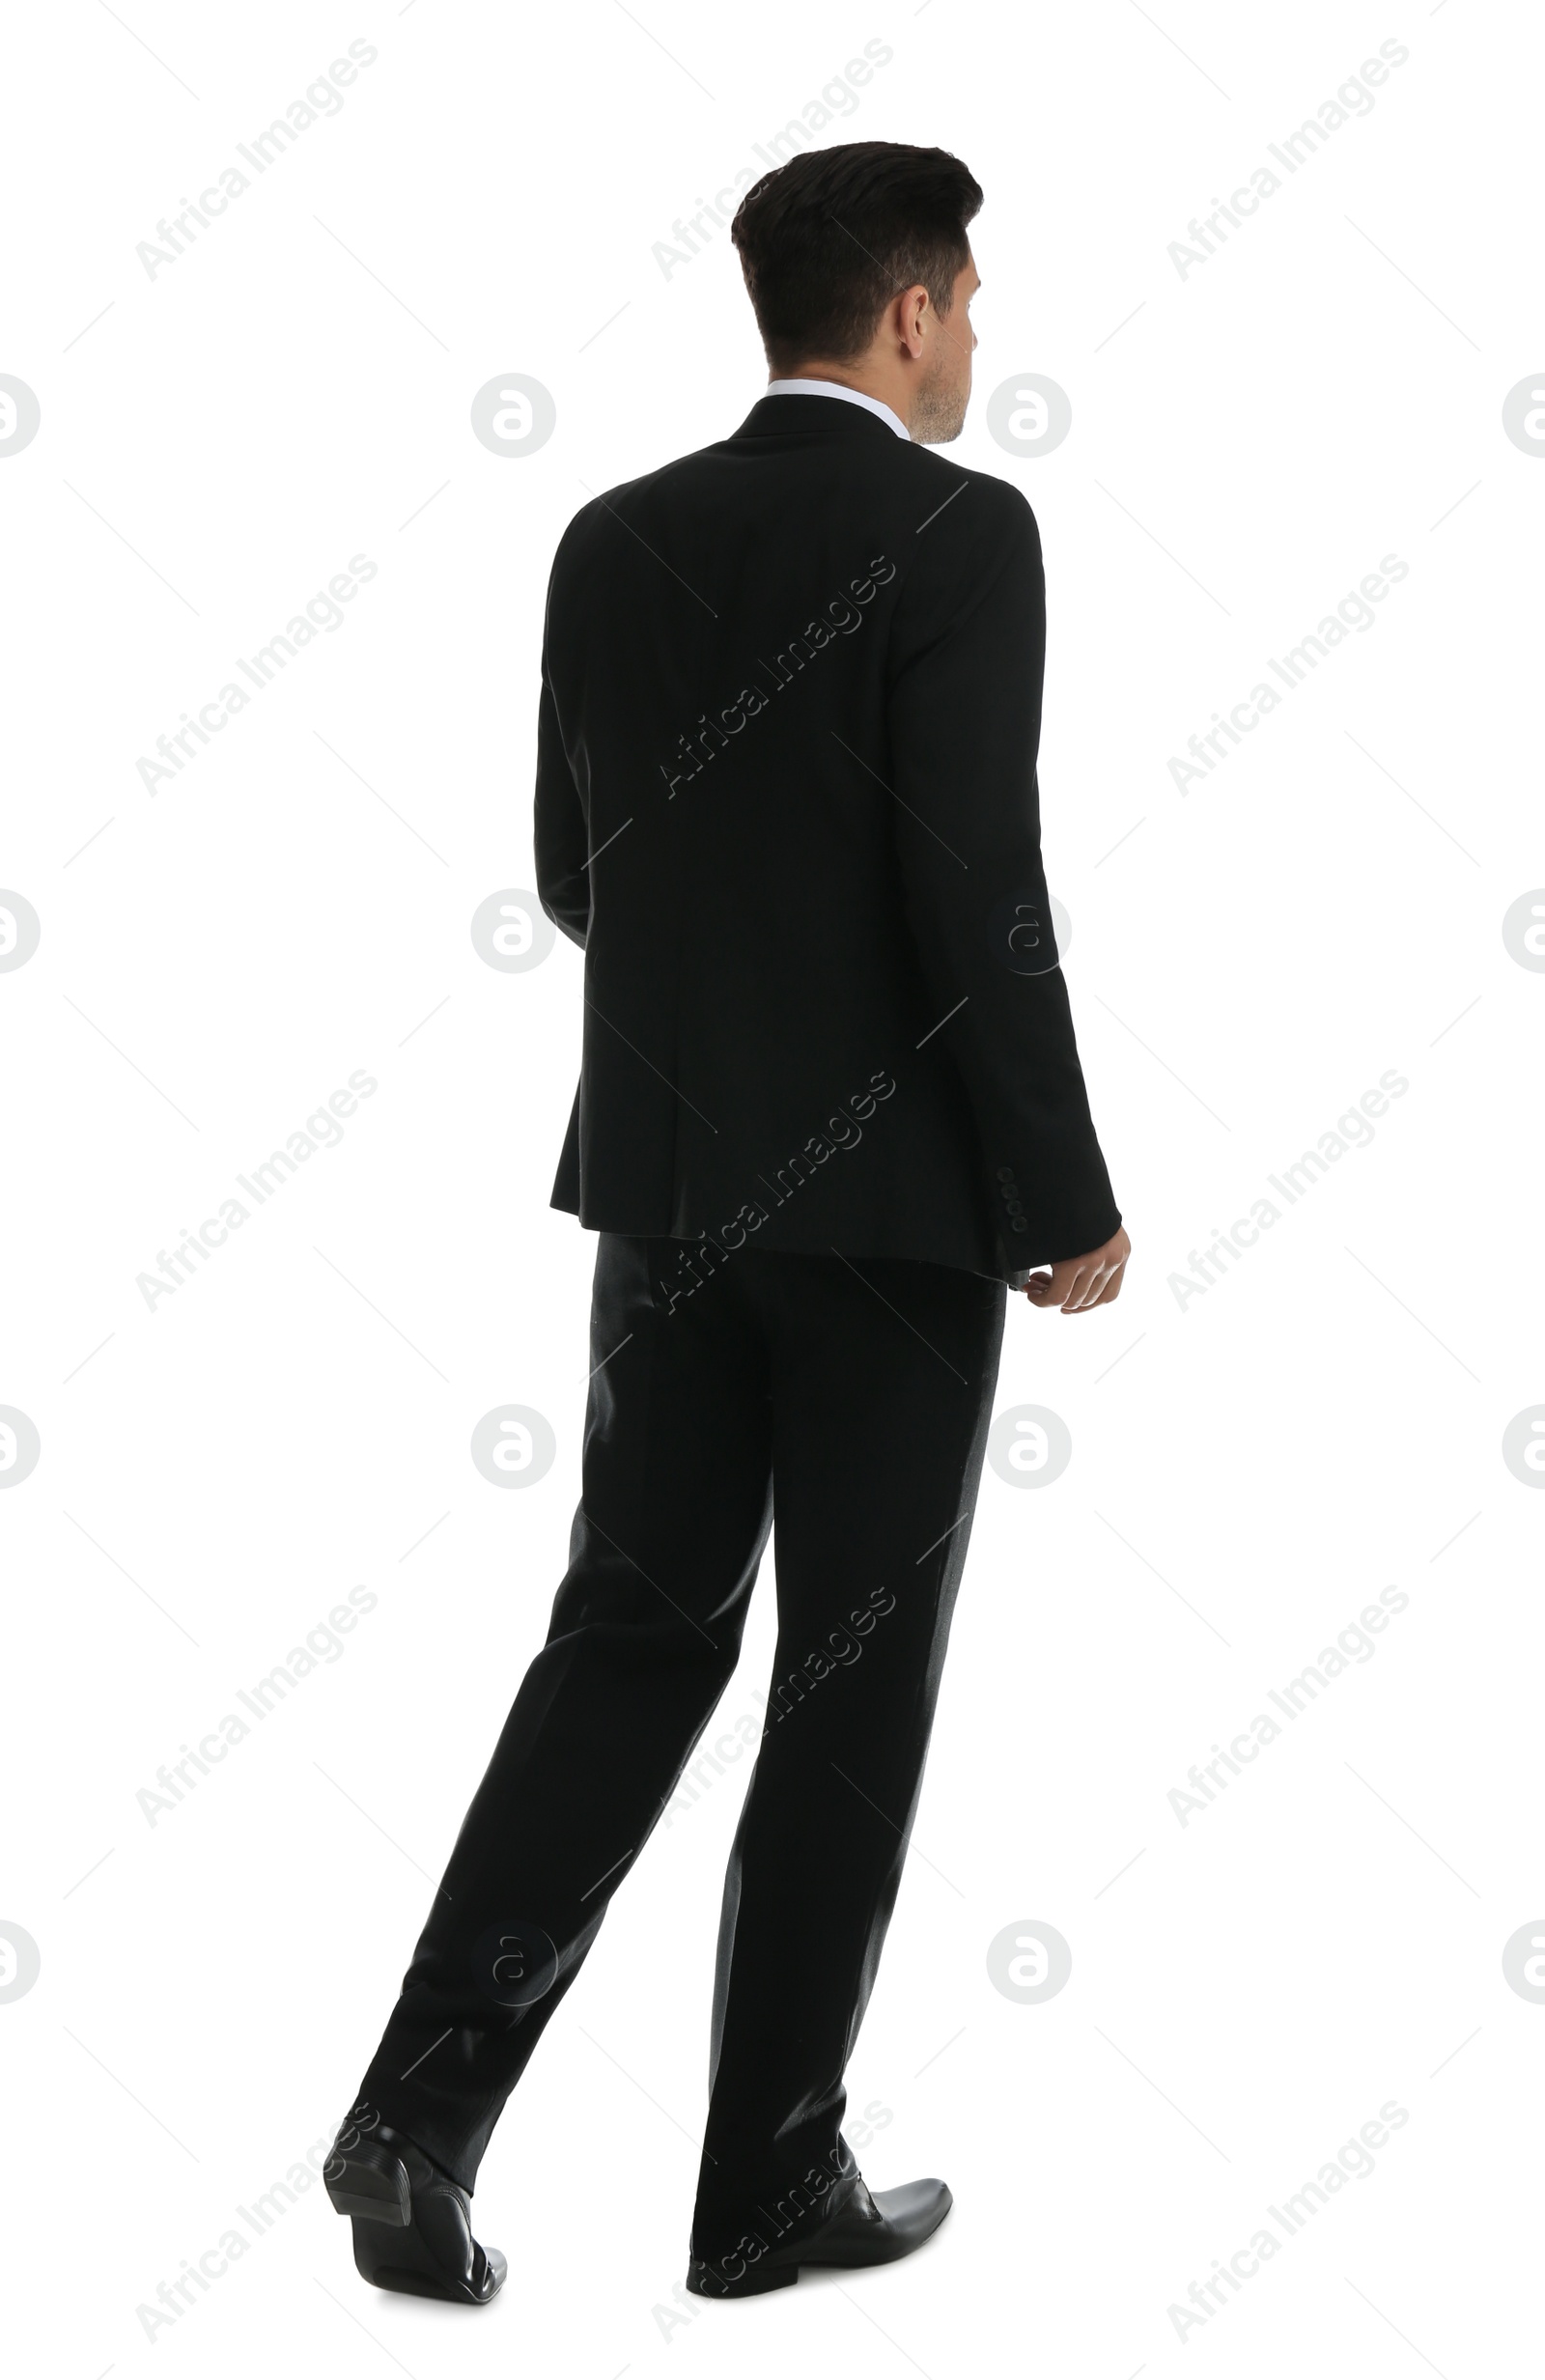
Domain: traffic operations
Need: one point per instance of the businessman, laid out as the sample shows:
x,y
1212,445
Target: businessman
x,y
830,1114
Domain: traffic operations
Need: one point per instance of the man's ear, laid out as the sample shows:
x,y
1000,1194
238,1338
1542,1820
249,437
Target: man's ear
x,y
909,317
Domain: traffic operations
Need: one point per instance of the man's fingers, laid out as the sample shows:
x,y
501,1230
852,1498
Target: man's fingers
x,y
1086,1287
1077,1285
1105,1285
1066,1285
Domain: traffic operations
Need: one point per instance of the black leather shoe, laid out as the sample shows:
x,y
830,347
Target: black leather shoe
x,y
854,2229
413,2224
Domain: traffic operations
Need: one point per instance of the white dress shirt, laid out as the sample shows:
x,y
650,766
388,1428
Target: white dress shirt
x,y
834,388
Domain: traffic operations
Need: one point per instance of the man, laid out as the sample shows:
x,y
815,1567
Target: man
x,y
831,1110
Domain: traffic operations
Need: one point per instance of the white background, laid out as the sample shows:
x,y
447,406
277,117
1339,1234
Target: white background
x,y
1248,1470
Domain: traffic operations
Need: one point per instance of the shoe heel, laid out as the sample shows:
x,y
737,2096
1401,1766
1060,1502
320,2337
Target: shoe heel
x,y
372,2186
704,2280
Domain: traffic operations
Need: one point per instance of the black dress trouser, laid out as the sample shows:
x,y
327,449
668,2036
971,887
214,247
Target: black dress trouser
x,y
854,1398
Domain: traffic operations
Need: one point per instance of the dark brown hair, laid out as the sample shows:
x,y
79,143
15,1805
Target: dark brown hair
x,y
829,238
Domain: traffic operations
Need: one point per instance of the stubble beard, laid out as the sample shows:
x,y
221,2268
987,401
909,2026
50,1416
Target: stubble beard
x,y
938,412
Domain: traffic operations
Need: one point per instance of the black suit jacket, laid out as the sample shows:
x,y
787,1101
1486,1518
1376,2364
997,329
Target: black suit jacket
x,y
786,802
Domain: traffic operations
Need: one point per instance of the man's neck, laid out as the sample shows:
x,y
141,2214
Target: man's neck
x,y
866,386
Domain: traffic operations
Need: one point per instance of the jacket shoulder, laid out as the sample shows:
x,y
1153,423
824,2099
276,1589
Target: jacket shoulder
x,y
970,508
613,503
975,537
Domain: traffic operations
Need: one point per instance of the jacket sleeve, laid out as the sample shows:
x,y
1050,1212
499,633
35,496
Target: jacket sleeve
x,y
967,659
561,835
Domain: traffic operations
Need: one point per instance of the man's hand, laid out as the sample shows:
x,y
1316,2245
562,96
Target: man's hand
x,y
1077,1283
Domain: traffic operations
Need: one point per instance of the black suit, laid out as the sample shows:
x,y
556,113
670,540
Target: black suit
x,y
825,1112
786,800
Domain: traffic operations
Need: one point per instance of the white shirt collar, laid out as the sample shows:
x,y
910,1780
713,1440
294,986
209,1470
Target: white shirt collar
x,y
834,388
